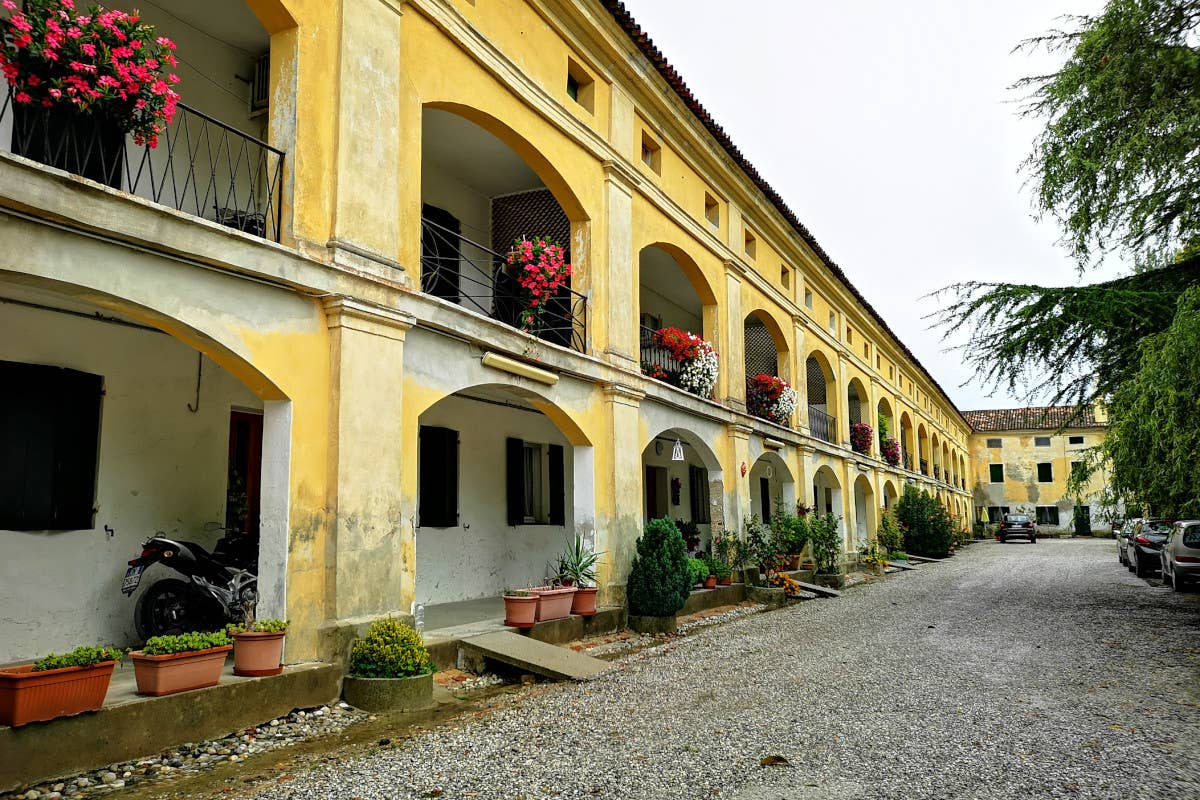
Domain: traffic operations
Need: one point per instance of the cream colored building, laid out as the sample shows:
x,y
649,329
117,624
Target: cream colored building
x,y
291,315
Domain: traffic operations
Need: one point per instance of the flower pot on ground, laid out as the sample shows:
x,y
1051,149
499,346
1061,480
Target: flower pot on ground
x,y
258,647
390,669
56,686
577,567
554,602
170,664
659,579
520,608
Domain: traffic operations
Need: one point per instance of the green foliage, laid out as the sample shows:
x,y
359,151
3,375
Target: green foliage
x,y
577,563
1153,440
825,535
789,532
690,532
754,545
1116,161
659,580
698,570
259,626
185,643
79,657
925,523
390,649
891,538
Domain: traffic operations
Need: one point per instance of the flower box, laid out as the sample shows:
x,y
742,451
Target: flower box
x,y
554,602
27,696
178,672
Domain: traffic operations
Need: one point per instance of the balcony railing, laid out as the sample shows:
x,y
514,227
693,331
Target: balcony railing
x,y
906,459
821,425
924,467
657,361
937,472
201,166
465,272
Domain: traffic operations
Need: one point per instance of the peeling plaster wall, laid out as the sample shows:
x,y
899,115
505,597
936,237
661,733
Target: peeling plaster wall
x,y
161,467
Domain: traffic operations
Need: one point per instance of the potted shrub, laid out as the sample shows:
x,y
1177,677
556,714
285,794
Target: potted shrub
x,y
170,664
56,686
258,647
826,541
577,567
390,669
659,580
722,573
520,608
554,601
698,570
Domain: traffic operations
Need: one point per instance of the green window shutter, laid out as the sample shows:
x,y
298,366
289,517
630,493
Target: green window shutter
x,y
698,495
438,466
996,473
514,462
558,505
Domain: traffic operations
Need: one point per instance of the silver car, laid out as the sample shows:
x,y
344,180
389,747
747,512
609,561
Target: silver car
x,y
1180,554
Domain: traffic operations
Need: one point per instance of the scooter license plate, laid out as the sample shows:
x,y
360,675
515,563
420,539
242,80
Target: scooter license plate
x,y
133,576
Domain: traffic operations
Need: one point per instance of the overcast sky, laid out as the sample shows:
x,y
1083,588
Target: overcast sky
x,y
890,130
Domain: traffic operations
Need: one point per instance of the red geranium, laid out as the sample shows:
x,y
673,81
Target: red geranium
x,y
540,267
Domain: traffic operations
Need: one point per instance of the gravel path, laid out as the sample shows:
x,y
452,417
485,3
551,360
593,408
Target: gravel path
x,y
1008,671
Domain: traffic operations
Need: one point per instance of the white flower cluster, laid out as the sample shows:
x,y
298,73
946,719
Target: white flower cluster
x,y
785,405
699,375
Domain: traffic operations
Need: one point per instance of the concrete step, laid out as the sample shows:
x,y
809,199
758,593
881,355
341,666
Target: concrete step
x,y
900,565
537,657
925,559
822,591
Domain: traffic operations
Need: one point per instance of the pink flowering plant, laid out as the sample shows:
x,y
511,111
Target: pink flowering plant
x,y
101,61
860,437
890,447
540,268
771,398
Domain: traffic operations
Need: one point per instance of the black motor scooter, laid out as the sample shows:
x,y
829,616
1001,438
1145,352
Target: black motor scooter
x,y
221,586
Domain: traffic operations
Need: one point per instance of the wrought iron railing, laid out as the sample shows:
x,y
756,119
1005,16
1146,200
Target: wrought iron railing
x,y
937,472
465,272
201,166
906,459
924,467
821,425
657,361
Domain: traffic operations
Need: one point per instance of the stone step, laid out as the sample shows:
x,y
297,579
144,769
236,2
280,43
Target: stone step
x,y
925,559
540,658
822,591
901,565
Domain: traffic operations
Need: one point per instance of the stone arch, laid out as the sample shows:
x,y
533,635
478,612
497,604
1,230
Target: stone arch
x,y
542,403
765,345
690,490
858,403
822,396
890,495
923,465
865,514
826,491
770,482
907,443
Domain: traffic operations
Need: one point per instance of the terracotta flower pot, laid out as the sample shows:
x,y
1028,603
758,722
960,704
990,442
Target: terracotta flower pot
x,y
710,582
520,612
554,602
258,654
795,561
178,672
725,581
27,696
583,602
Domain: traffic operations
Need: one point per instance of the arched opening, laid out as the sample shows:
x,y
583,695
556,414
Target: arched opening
x,y
119,429
766,357
858,413
826,492
962,472
504,483
923,448
682,480
483,188
864,510
771,487
886,422
889,495
907,445
672,293
822,422
935,456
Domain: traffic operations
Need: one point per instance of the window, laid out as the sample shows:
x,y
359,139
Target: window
x,y
808,298
651,153
1047,515
996,473
996,513
1076,466
580,86
49,447
750,244
535,483
877,362
995,443
712,210
867,352
891,372
1074,440
785,276
833,323
849,335
1045,472
698,495
437,459
1041,441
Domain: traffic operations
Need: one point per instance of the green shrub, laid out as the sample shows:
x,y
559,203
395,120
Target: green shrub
x,y
699,570
659,578
826,540
789,532
259,626
79,657
925,523
755,544
690,532
390,649
185,643
891,538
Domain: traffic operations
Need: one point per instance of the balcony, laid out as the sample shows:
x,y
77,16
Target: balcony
x,y
821,425
463,271
657,361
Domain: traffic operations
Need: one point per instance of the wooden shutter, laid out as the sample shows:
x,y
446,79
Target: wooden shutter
x,y
49,447
438,466
558,489
698,495
514,451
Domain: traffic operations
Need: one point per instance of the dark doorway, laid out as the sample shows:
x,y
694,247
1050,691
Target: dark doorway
x,y
764,498
243,495
1083,520
656,493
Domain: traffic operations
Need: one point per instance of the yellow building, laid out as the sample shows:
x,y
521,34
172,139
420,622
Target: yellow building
x,y
1022,458
293,317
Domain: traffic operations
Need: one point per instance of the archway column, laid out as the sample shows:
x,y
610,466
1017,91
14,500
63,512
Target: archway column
x,y
617,331
618,479
734,355
800,376
737,485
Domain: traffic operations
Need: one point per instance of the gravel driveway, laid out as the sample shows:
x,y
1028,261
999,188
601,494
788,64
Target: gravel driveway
x,y
1008,671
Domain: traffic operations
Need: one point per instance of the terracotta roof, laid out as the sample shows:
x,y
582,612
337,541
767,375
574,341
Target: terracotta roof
x,y
627,23
1036,418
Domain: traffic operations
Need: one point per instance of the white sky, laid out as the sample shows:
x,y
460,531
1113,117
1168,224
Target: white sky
x,y
889,129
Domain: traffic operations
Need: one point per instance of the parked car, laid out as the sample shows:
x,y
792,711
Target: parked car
x,y
1020,525
1180,554
1146,540
1124,536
